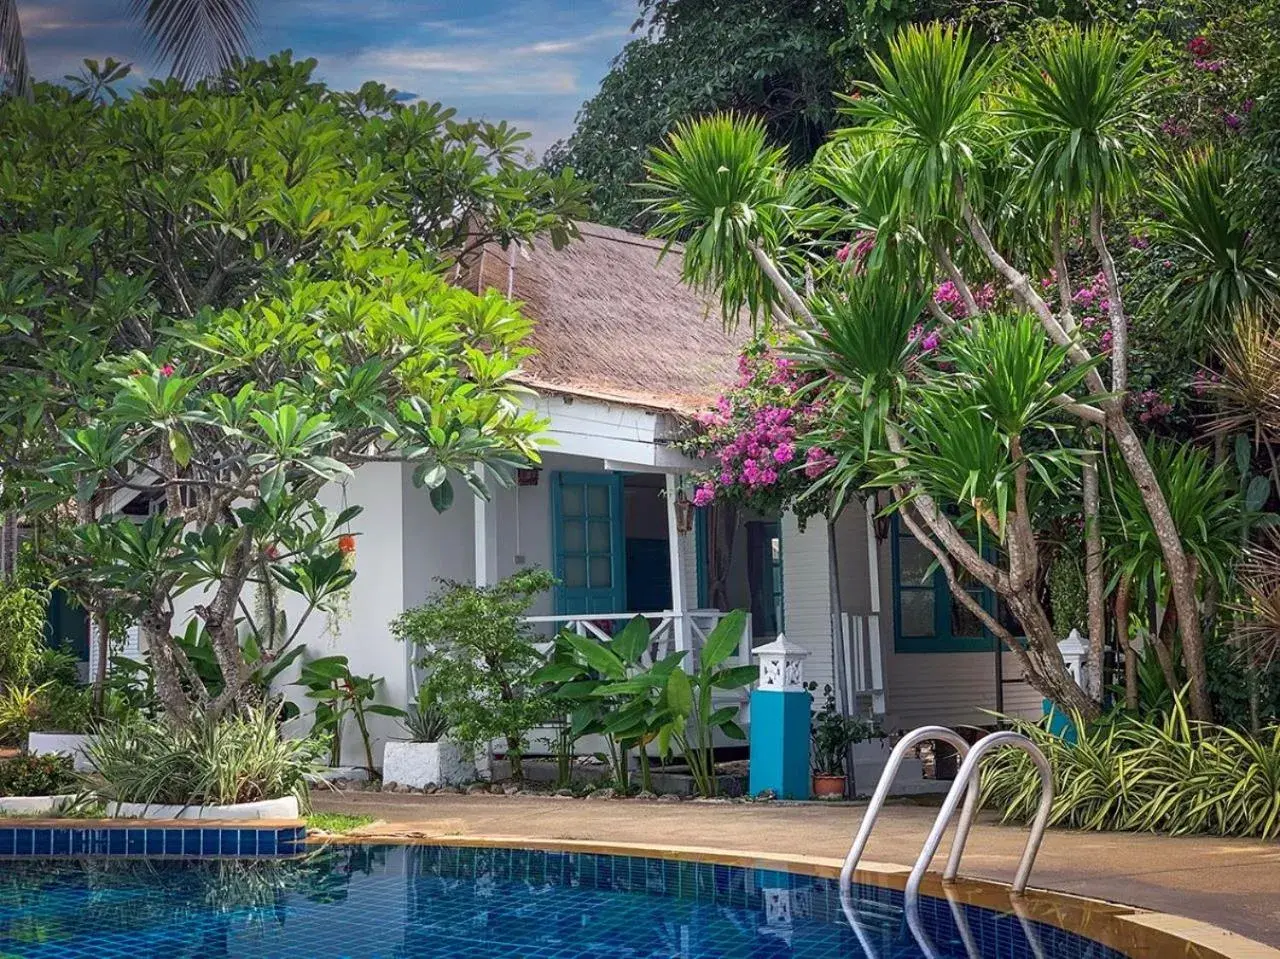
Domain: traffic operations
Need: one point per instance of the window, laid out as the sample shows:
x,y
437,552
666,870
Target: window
x,y
927,618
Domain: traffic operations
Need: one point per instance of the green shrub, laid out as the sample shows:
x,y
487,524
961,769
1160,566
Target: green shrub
x,y
231,760
20,712
1167,775
22,619
480,659
36,776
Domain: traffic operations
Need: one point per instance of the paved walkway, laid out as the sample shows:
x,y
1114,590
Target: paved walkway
x,y
1228,882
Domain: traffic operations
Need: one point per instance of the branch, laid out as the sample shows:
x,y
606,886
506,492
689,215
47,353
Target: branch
x,y
1119,323
963,595
1060,267
785,290
1022,287
957,279
944,529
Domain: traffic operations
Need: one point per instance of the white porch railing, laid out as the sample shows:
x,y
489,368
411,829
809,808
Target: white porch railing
x,y
669,632
862,662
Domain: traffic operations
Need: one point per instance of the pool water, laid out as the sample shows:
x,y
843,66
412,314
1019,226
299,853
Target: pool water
x,y
462,903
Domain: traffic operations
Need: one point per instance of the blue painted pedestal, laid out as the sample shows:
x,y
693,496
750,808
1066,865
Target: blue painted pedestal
x,y
780,743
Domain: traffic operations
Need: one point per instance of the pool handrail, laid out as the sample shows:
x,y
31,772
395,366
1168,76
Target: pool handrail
x,y
887,776
966,786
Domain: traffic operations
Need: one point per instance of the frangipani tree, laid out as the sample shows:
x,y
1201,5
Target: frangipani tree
x,y
222,300
994,165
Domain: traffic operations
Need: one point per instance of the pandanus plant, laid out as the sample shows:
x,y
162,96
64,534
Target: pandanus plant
x,y
995,161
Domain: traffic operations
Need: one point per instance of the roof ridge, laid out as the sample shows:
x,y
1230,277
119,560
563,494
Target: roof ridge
x,y
615,234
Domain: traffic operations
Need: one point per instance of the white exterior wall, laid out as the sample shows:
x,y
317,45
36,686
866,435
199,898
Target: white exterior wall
x,y
949,689
806,595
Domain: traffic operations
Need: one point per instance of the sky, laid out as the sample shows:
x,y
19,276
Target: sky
x,y
531,62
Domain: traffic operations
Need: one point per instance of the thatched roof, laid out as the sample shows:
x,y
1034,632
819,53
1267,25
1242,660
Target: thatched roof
x,y
611,322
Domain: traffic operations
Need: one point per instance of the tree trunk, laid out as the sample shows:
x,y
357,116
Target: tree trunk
x,y
1094,580
1182,580
156,634
1123,595
1180,576
104,641
1162,642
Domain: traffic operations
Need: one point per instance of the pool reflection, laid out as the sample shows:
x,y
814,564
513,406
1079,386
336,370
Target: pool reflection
x,y
426,901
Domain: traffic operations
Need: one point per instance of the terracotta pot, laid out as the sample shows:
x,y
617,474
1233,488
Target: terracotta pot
x,y
826,786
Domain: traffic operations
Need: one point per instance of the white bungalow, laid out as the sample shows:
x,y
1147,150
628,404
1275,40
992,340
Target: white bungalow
x,y
625,353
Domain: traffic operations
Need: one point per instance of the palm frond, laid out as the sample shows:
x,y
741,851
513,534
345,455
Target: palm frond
x,y
718,187
15,75
1080,111
1206,508
1257,627
1250,384
1225,274
197,37
927,105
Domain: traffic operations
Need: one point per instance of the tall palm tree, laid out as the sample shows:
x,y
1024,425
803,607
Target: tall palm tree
x,y
197,37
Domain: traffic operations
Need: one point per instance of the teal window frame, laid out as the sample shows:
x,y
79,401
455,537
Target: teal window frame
x,y
942,640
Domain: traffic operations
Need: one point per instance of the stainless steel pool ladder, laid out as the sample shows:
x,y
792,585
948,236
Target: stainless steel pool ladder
x,y
965,787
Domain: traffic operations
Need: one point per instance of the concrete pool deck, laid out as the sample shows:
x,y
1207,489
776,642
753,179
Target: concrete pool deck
x,y
1231,883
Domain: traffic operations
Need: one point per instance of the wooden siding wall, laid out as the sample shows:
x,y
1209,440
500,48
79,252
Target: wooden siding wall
x,y
950,689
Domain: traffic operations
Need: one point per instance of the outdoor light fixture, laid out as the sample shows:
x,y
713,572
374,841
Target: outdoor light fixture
x,y
527,476
684,513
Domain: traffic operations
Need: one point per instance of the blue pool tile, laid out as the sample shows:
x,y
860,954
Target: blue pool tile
x,y
190,841
43,841
229,844
155,842
173,842
136,842
24,842
267,842
61,842
115,840
209,842
249,842
6,842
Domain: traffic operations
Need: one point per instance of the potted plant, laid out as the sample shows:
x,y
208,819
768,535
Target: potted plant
x,y
832,734
427,757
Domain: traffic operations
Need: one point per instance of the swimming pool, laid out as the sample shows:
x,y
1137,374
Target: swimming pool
x,y
364,901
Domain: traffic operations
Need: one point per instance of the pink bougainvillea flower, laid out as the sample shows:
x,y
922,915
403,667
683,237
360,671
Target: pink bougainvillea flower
x,y
1233,120
703,495
842,254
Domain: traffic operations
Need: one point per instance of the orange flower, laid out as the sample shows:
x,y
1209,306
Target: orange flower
x,y
346,543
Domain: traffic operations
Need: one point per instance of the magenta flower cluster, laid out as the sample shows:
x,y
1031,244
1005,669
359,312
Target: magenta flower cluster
x,y
752,435
948,296
1090,303
1204,381
857,250
1150,405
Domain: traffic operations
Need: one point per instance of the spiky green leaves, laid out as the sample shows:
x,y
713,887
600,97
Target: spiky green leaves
x,y
717,188
1079,112
927,109
1222,274
1206,509
966,434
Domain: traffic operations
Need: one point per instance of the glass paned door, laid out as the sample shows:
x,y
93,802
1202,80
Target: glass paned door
x,y
587,538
